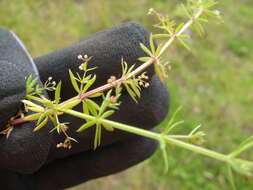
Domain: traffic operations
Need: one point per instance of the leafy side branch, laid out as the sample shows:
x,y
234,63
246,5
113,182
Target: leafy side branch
x,y
241,165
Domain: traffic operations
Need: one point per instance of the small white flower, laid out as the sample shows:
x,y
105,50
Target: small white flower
x,y
141,83
50,78
85,56
151,11
81,67
79,57
146,85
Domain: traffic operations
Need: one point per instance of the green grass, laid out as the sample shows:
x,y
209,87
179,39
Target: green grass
x,y
213,83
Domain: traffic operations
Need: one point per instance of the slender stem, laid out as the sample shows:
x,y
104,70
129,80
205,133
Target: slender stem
x,y
138,70
159,137
105,87
102,88
180,136
17,121
183,29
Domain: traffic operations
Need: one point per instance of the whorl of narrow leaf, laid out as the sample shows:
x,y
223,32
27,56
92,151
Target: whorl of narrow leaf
x,y
42,124
58,93
86,125
74,82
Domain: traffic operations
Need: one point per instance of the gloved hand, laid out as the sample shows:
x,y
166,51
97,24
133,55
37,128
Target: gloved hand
x,y
31,160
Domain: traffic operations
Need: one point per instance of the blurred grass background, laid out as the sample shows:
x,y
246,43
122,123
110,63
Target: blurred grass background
x,y
213,83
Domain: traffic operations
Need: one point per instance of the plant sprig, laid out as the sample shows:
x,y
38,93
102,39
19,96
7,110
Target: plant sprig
x,y
133,79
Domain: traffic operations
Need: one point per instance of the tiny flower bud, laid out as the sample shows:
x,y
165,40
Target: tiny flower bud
x,y
81,67
79,57
151,11
113,100
50,78
85,56
113,78
146,85
109,80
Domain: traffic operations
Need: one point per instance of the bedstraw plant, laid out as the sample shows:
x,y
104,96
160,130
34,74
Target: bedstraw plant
x,y
133,79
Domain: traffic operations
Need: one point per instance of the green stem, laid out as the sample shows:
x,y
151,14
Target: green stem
x,y
159,137
183,29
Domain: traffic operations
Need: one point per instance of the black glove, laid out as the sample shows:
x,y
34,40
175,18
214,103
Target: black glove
x,y
35,154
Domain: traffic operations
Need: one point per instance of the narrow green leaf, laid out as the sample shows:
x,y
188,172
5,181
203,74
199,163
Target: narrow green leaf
x,y
52,130
49,104
212,13
158,49
31,104
241,149
144,59
203,20
159,72
241,168
73,81
28,80
42,124
99,134
130,92
184,44
32,117
107,114
35,109
231,178
94,104
186,11
184,36
85,108
35,98
91,69
146,50
152,45
86,126
89,83
29,85
200,30
211,4
169,128
164,153
96,139
34,82
248,140
180,26
42,116
57,94
194,130
108,127
105,103
161,36
70,105
124,67
92,108
173,117
53,119
134,88
96,95
130,69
